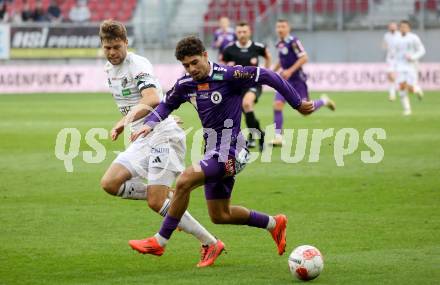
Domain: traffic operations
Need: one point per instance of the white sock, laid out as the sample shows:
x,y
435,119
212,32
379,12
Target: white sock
x,y
392,91
161,240
405,100
271,224
133,189
190,225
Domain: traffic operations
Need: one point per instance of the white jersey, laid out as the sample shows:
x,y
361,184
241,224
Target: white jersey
x,y
409,49
390,41
164,148
128,79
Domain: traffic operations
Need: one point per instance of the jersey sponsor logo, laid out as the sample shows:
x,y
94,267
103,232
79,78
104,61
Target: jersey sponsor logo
x,y
243,74
157,160
124,82
216,97
126,92
159,150
203,87
204,95
219,68
217,76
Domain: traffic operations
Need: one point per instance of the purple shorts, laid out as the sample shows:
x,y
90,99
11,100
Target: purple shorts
x,y
300,86
220,175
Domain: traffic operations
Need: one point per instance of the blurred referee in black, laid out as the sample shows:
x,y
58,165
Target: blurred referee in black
x,y
246,52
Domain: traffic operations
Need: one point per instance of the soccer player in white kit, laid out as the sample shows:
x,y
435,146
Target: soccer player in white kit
x,y
158,157
389,44
409,49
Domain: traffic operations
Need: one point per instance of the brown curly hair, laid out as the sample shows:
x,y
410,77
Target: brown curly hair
x,y
189,46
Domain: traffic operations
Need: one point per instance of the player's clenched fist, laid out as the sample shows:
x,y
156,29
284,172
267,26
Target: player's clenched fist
x,y
142,132
306,107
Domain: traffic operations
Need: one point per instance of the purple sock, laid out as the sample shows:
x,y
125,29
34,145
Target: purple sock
x,y
169,224
318,104
258,220
278,119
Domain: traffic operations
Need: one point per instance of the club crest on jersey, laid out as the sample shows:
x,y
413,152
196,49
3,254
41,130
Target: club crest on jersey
x,y
216,97
203,87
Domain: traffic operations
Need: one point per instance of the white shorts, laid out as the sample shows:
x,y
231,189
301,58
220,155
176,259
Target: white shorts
x,y
159,157
391,66
409,76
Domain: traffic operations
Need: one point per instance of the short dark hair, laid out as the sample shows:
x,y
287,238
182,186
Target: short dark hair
x,y
283,21
405,22
243,24
189,46
112,30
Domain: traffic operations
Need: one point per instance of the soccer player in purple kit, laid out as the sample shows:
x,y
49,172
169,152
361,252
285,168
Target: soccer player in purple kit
x,y
216,93
223,36
292,57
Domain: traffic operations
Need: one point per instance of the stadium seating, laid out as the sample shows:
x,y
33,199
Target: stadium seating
x,y
247,10
121,10
430,5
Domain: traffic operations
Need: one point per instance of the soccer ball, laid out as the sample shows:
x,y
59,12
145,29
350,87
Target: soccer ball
x,y
306,262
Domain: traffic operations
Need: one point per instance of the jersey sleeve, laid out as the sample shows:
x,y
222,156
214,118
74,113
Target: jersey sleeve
x,y
298,48
261,50
227,55
419,49
250,76
142,72
171,101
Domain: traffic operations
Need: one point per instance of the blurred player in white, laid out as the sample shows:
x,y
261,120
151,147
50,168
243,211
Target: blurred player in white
x,y
158,157
389,44
409,49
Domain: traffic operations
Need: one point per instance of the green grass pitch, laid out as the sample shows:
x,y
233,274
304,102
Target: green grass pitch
x,y
374,223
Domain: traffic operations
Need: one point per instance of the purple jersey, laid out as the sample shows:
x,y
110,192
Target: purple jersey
x,y
218,99
225,38
289,51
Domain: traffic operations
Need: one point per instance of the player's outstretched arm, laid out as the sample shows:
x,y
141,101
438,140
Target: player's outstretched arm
x,y
150,100
272,79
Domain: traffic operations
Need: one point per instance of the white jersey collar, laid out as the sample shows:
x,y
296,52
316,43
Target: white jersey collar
x,y
247,45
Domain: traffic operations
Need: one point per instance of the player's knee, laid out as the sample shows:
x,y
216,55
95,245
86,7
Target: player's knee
x,y
278,105
220,218
156,196
247,106
155,203
109,186
183,183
